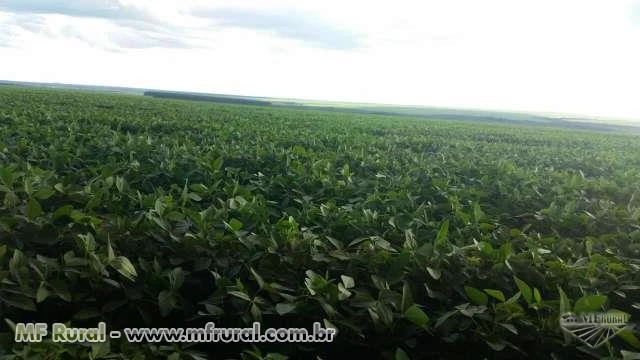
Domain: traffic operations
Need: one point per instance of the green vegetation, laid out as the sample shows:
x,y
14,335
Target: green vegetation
x,y
204,97
414,238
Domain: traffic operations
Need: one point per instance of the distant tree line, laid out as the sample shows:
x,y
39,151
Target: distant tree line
x,y
210,98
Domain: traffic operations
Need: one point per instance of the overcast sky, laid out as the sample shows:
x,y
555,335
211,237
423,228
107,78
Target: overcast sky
x,y
564,56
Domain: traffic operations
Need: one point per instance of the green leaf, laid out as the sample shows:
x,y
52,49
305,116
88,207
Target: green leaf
x,y
384,244
565,307
235,224
407,298
214,309
629,355
33,209
348,281
329,325
42,293
63,212
11,325
496,344
537,296
444,317
435,273
258,278
401,355
284,308
476,296
217,163
443,234
240,295
124,267
629,337
11,199
416,316
477,213
16,263
276,356
120,184
61,289
496,294
565,303
199,188
589,303
110,254
44,194
176,278
256,313
525,290
510,327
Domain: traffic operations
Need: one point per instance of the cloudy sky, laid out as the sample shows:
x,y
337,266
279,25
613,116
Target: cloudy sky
x,y
576,57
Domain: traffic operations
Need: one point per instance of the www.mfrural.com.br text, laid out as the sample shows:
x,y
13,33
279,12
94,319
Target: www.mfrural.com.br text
x,y
58,332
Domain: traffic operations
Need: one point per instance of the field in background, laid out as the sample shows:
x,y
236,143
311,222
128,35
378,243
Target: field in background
x,y
560,120
416,238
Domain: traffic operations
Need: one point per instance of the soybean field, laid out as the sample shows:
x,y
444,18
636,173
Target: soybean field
x,y
414,238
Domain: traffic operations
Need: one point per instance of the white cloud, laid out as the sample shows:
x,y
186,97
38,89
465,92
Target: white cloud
x,y
549,56
288,23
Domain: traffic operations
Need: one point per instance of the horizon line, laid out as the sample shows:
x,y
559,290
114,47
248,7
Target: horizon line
x,y
542,114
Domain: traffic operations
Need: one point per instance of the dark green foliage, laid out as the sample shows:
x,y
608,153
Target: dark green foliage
x,y
204,97
415,239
